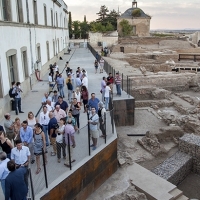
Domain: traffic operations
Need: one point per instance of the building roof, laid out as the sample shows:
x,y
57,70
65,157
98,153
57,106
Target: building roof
x,y
128,14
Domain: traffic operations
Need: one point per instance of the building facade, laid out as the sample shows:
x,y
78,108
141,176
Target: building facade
x,y
34,34
139,21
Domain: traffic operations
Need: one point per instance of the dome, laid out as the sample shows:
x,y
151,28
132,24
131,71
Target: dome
x,y
128,13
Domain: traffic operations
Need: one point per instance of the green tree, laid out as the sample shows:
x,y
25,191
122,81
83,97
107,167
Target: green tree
x,y
109,27
70,25
76,29
85,18
103,13
126,28
112,18
84,29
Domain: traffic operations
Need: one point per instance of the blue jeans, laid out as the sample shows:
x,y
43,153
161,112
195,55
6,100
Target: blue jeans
x,y
17,105
45,130
107,102
60,87
118,88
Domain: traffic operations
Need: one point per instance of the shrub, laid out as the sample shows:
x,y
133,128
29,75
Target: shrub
x,y
136,12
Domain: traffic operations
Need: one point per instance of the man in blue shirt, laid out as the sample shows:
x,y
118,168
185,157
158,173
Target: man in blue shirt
x,y
60,84
26,135
63,104
93,102
15,186
17,91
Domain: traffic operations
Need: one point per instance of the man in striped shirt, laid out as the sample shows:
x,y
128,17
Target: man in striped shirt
x,y
118,81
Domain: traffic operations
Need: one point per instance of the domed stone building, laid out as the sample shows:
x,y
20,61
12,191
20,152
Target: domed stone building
x,y
137,19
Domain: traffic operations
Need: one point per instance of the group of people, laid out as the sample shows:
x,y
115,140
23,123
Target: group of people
x,y
24,142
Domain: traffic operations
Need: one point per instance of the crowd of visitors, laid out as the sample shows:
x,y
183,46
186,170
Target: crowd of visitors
x,y
24,142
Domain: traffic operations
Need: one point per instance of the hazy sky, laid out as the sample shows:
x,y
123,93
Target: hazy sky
x,y
166,14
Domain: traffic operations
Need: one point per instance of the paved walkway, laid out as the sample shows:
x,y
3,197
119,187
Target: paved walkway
x,y
32,102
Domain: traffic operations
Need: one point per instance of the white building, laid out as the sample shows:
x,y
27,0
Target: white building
x,y
31,30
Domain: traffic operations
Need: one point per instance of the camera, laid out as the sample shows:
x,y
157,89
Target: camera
x,y
56,126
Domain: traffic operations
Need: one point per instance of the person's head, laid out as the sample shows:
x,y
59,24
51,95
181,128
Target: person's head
x,y
38,126
50,74
77,89
60,75
104,78
7,116
48,102
70,113
67,62
69,75
93,110
100,104
18,84
2,135
93,95
18,144
77,75
110,74
13,83
3,155
108,83
83,88
57,72
117,74
84,75
55,63
75,100
46,95
17,121
24,124
51,114
11,166
62,121
30,115
44,109
57,107
55,92
60,99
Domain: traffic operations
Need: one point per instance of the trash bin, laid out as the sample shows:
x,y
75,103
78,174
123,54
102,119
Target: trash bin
x,y
12,102
122,49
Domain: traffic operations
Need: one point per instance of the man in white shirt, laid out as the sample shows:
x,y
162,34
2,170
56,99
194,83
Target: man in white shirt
x,y
85,81
56,68
59,113
50,105
21,156
44,120
101,62
45,98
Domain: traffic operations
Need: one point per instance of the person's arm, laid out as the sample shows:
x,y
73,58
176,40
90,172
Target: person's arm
x,y
21,135
30,138
66,107
73,140
9,143
44,141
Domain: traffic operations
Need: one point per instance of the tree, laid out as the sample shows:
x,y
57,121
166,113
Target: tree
x,y
126,28
103,15
109,27
85,18
70,25
112,18
76,29
84,29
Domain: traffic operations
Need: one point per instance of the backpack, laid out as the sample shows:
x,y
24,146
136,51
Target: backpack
x,y
69,86
10,93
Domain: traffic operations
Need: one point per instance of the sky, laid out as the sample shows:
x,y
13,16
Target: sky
x,y
166,14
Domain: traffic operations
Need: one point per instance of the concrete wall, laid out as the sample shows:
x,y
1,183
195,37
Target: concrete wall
x,y
88,177
109,40
124,112
23,36
142,26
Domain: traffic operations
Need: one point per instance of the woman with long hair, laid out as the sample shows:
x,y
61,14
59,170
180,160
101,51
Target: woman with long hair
x,y
84,96
5,144
17,126
39,143
31,120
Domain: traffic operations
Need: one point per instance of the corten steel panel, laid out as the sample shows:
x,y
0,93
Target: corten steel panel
x,y
124,112
88,177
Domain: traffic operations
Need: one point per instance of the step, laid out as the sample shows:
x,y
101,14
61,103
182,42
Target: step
x,y
176,193
182,198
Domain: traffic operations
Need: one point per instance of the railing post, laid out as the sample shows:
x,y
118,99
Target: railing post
x,y
127,84
122,81
69,151
31,182
44,165
88,112
105,126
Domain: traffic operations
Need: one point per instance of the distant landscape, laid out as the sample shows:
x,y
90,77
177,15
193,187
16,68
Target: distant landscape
x,y
186,31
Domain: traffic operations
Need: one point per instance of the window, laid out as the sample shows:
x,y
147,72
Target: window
x,y
56,20
19,10
25,62
6,9
51,17
54,52
35,11
45,15
48,56
38,52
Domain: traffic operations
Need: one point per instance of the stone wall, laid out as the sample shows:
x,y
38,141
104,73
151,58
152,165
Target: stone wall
x,y
108,39
176,168
190,144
